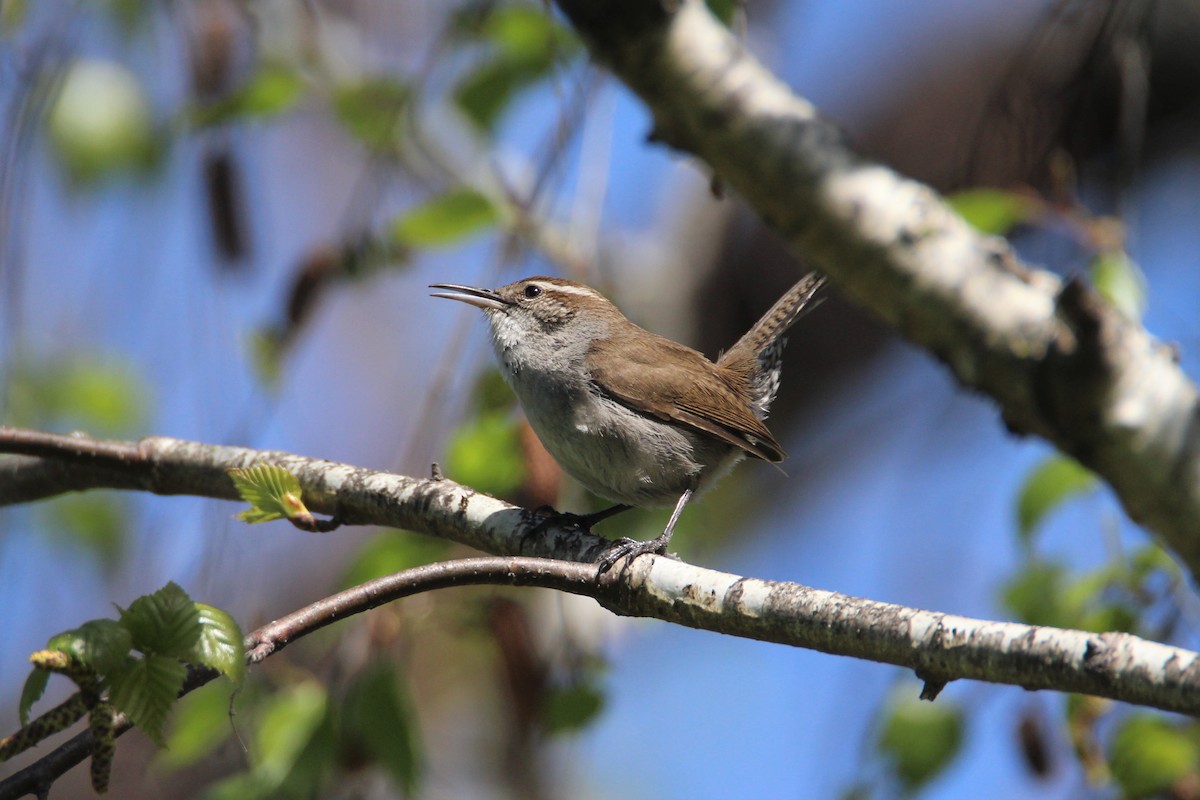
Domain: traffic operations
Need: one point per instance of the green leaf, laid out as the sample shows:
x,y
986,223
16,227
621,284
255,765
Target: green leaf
x,y
146,689
393,551
267,347
99,394
723,10
1120,280
244,786
1149,754
1148,560
484,95
485,454
104,397
526,42
1110,617
289,722
273,90
1035,596
445,220
35,687
571,708
991,210
220,643
200,723
527,32
372,110
273,493
491,393
165,622
378,716
1053,481
920,738
100,644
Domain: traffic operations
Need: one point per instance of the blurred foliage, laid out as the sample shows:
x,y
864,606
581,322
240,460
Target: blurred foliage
x,y
1114,597
491,393
130,15
1144,755
371,110
571,708
98,394
274,89
305,738
1150,754
267,347
12,14
1033,595
445,220
522,43
202,720
918,739
1051,483
992,210
485,452
96,522
289,749
376,719
724,9
1120,280
393,551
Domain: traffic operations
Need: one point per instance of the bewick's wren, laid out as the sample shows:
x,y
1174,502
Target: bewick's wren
x,y
634,417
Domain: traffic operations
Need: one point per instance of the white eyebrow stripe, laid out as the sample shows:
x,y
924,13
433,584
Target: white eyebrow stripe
x,y
583,291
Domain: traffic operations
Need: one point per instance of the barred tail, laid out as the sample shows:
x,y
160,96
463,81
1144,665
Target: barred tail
x,y
758,354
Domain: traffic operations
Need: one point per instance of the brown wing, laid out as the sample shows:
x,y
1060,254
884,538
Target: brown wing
x,y
685,388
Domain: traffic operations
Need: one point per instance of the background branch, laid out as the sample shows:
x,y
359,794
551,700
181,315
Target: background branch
x,y
1060,362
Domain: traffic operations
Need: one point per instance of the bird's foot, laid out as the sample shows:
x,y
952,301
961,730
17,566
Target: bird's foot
x,y
631,549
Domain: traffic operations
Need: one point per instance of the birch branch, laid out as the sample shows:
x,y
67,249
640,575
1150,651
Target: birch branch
x,y
938,647
1058,361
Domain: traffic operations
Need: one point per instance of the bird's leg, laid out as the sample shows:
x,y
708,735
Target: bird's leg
x,y
631,548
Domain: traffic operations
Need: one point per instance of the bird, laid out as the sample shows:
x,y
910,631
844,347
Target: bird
x,y
634,417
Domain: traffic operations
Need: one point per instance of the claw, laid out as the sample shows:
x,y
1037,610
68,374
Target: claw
x,y
630,549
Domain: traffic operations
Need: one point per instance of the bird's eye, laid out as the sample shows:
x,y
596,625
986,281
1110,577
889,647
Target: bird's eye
x,y
532,291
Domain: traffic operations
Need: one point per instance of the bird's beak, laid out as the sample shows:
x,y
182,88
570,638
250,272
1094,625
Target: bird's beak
x,y
486,299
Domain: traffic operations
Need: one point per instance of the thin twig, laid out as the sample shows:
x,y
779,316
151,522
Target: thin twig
x,y
271,638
